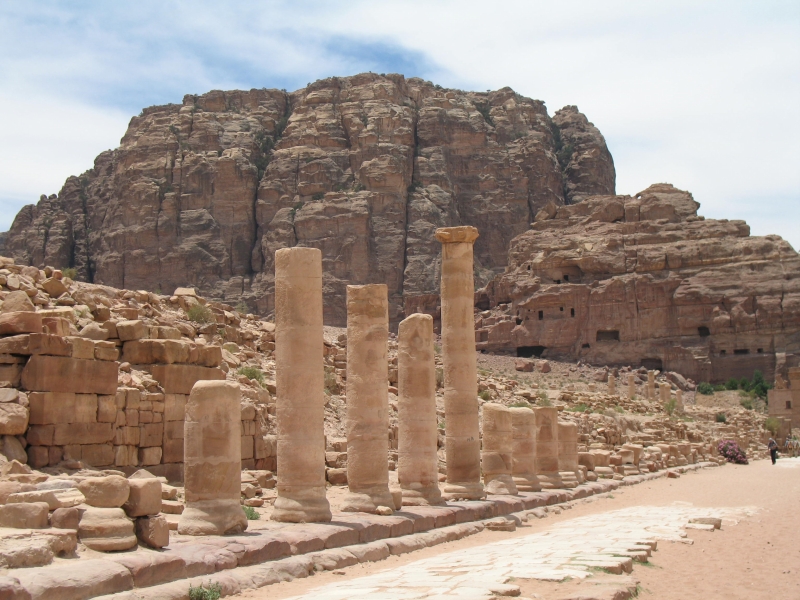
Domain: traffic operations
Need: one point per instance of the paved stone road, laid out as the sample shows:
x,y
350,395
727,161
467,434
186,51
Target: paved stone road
x,y
569,549
788,462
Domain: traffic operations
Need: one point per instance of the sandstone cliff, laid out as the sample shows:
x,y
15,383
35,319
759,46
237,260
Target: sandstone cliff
x,y
643,280
363,167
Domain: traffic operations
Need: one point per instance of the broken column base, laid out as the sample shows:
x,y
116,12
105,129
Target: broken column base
x,y
527,483
550,481
569,479
368,500
501,484
419,495
306,506
212,517
463,491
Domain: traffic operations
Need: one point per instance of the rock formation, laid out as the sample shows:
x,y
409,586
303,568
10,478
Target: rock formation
x,y
364,168
644,280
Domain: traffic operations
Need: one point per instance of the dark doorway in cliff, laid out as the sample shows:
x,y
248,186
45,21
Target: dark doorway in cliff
x,y
741,351
530,351
653,364
608,336
703,331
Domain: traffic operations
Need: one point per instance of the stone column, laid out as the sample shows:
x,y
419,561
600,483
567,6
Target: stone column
x,y
651,385
212,460
547,447
664,390
460,366
631,385
612,384
300,381
496,459
568,454
523,455
418,462
367,418
679,400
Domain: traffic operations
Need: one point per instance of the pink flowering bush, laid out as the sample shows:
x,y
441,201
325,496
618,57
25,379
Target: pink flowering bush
x,y
731,452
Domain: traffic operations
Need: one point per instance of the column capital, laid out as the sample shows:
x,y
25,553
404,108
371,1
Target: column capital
x,y
454,235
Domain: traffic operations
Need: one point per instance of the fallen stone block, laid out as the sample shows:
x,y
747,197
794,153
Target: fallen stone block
x,y
65,518
144,497
54,498
111,491
153,530
32,515
16,323
13,419
131,330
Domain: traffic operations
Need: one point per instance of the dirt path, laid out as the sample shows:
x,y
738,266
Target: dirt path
x,y
757,558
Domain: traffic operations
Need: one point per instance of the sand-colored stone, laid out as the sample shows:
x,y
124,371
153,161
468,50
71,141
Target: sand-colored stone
x,y
664,391
679,400
417,467
300,381
106,529
547,447
496,462
651,385
612,384
212,460
460,365
568,454
523,423
367,418
111,491
631,385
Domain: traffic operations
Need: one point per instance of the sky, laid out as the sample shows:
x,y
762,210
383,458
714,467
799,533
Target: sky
x,y
702,95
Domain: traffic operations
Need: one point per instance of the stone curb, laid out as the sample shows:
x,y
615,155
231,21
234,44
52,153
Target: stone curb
x,y
250,561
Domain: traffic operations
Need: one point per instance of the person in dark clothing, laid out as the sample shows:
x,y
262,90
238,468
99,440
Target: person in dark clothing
x,y
772,445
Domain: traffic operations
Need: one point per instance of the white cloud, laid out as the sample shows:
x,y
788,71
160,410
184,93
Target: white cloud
x,y
701,95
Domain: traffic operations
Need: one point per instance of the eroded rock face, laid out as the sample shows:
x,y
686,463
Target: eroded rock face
x,y
644,280
364,168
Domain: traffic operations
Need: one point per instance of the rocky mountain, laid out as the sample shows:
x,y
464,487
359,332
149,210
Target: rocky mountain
x,y
365,168
644,280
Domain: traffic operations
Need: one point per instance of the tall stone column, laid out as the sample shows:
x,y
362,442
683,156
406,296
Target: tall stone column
x,y
664,390
300,381
651,385
631,385
367,419
418,462
496,460
612,384
212,460
460,366
547,447
679,400
568,454
523,456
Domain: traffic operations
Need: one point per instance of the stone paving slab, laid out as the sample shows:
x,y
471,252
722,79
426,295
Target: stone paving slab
x,y
278,551
569,549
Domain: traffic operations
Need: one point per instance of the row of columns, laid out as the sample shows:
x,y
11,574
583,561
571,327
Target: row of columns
x,y
520,446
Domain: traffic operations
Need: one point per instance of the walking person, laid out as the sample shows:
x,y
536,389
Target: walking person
x,y
772,445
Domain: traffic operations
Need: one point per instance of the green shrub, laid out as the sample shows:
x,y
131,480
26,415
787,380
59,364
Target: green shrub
x,y
200,313
70,272
253,373
732,384
544,399
485,395
252,513
670,406
705,388
520,404
212,592
747,403
579,408
319,196
719,388
772,425
721,418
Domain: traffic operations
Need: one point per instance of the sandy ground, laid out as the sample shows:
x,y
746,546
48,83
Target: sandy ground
x,y
758,558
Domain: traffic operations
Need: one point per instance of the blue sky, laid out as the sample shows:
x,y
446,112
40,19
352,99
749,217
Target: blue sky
x,y
700,95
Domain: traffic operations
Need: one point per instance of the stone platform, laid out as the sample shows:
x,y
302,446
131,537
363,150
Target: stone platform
x,y
280,551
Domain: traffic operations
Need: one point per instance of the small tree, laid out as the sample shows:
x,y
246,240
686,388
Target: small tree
x,y
670,406
773,425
